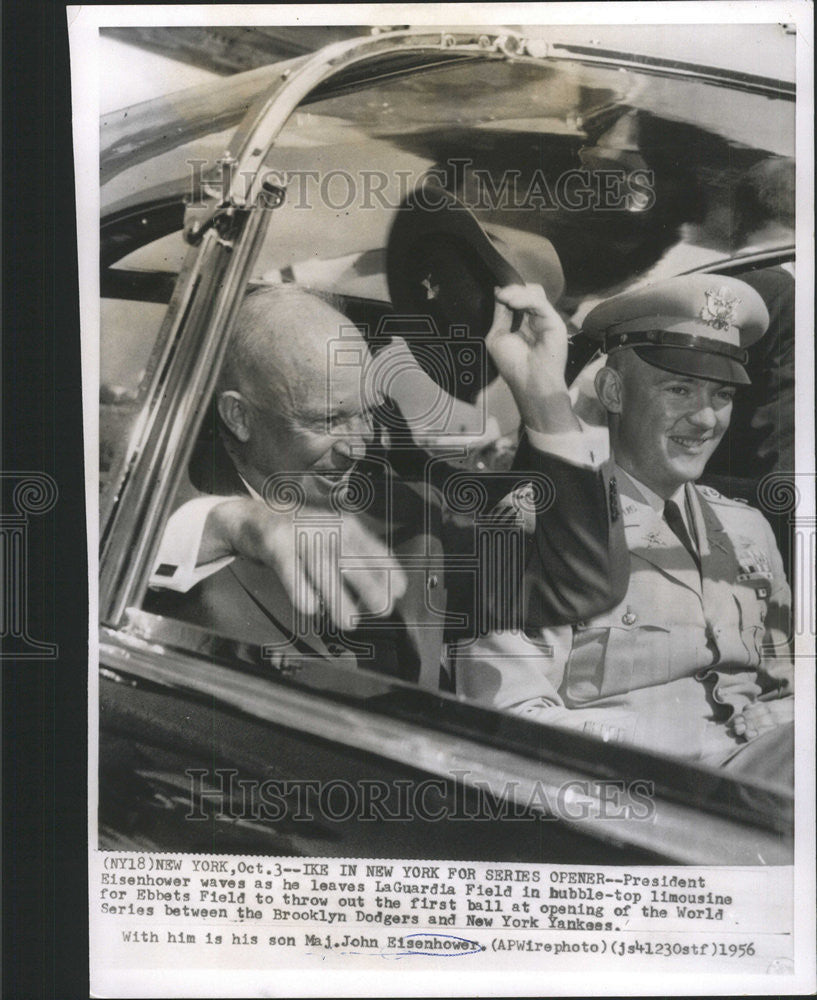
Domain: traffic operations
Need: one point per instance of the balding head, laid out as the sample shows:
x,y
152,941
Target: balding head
x,y
280,345
285,404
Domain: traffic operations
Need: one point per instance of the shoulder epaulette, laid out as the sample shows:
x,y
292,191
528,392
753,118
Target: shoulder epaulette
x,y
712,494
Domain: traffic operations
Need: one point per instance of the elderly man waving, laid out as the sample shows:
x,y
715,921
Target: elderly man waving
x,y
235,565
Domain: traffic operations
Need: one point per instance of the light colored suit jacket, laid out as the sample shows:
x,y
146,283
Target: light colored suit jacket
x,y
681,653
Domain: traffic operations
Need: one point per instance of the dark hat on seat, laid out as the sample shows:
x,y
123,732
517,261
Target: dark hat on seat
x,y
442,264
696,324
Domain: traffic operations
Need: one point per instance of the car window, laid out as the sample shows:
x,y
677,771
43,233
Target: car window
x,y
131,329
135,291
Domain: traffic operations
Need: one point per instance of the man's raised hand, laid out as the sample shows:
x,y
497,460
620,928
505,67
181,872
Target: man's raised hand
x,y
532,359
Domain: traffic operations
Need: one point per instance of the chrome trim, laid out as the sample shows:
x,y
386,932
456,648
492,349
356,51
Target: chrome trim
x,y
162,440
747,261
678,832
160,357
160,451
253,146
658,66
253,150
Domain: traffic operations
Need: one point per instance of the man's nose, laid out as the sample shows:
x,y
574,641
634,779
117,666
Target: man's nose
x,y
356,435
703,415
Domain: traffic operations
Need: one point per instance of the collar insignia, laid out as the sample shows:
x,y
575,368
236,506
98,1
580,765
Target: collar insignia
x,y
653,538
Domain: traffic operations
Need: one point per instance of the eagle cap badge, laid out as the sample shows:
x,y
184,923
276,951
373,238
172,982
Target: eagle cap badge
x,y
719,311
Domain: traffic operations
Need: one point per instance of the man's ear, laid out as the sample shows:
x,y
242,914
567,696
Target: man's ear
x,y
233,410
609,389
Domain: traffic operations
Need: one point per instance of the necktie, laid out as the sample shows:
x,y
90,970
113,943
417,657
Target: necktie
x,y
672,515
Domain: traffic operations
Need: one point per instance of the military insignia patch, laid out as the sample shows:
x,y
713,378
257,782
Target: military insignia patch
x,y
615,509
759,582
653,539
719,311
754,563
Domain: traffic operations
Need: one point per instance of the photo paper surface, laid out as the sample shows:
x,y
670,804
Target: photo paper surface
x,y
449,463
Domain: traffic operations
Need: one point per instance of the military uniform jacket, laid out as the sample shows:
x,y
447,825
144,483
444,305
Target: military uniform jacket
x,y
670,663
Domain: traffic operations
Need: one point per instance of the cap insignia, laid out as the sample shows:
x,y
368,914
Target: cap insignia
x,y
719,311
431,290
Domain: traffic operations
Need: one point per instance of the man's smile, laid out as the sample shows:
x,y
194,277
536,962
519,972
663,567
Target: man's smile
x,y
692,445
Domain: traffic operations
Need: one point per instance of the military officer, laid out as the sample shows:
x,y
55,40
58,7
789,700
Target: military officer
x,y
695,660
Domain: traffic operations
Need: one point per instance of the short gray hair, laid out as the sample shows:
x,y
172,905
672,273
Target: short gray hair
x,y
266,320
